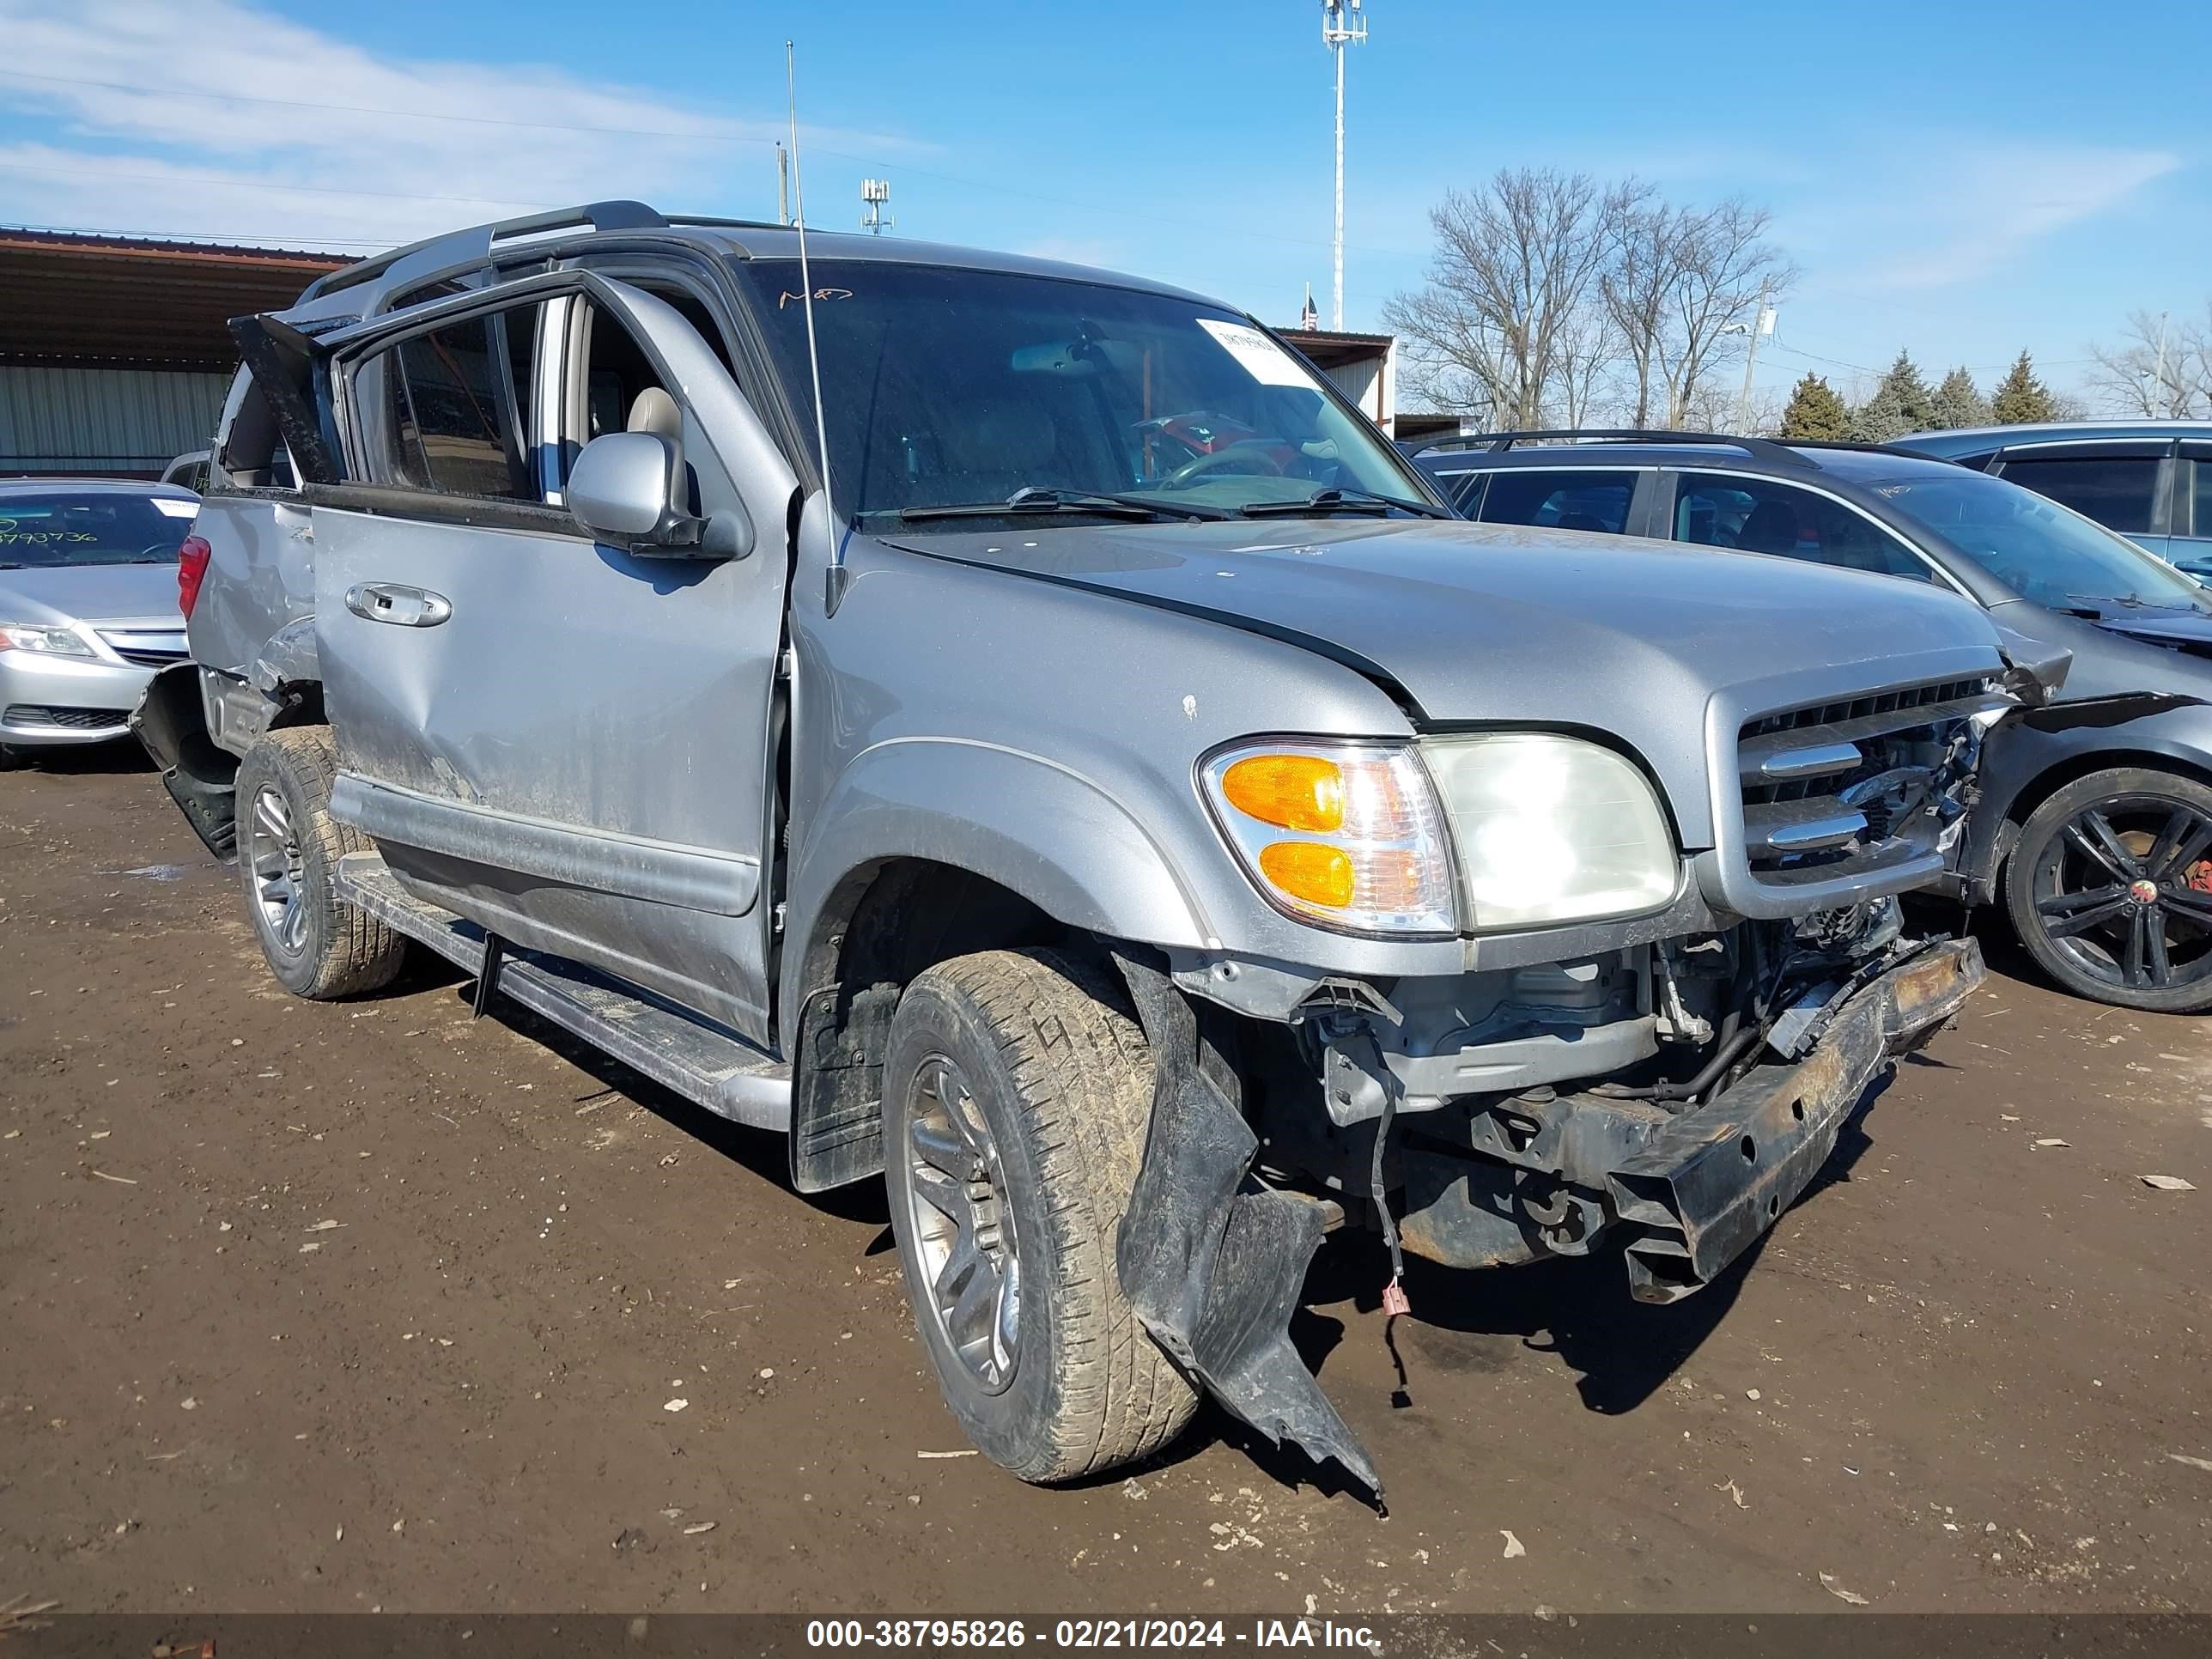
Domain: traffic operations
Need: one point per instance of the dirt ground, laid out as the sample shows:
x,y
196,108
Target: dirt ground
x,y
331,1308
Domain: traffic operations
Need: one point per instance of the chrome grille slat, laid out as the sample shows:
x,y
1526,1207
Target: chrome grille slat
x,y
1795,767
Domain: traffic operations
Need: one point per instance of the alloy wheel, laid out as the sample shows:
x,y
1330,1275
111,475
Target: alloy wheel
x,y
279,871
963,1224
2124,890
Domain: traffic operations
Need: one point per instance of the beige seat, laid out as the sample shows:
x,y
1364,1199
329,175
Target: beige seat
x,y
653,410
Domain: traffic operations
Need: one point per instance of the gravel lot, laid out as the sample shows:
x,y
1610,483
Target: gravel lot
x,y
335,1307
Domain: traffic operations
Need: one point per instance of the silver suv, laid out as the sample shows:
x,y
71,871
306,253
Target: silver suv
x,y
1122,809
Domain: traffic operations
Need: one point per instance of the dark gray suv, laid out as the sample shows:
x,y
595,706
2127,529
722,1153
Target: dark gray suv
x,y
2094,827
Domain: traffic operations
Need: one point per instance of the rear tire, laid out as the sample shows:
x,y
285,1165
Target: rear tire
x,y
289,847
2101,888
1016,1098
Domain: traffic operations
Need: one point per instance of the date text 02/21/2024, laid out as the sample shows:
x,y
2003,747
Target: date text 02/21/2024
x,y
1084,1633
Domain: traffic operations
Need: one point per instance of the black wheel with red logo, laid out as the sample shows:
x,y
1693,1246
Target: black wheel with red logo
x,y
2109,888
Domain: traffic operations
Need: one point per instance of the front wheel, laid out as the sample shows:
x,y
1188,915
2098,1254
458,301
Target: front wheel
x,y
1017,1095
288,847
2110,889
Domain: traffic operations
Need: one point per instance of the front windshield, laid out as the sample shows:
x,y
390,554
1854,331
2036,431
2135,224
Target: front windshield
x,y
948,388
44,529
2041,550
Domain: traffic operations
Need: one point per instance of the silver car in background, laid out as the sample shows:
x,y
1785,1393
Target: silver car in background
x,y
89,606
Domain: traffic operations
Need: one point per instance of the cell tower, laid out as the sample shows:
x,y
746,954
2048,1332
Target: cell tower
x,y
1342,24
875,196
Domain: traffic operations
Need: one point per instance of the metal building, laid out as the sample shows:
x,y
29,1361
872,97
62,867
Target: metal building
x,y
1362,366
114,355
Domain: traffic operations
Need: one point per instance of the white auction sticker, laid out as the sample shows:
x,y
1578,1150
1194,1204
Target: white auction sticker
x,y
1262,359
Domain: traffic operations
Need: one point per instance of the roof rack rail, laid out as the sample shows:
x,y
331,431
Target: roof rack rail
x,y
460,247
1764,449
712,222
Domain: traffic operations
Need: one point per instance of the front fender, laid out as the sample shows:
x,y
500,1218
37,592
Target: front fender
x,y
1035,826
2027,747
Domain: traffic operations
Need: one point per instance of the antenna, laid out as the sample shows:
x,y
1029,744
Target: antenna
x,y
834,583
1342,24
875,196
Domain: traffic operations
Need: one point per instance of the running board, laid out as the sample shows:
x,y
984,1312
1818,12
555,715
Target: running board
x,y
707,1063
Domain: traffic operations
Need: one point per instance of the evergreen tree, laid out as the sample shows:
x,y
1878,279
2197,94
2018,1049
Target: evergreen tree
x,y
1959,402
1814,411
2020,397
1901,404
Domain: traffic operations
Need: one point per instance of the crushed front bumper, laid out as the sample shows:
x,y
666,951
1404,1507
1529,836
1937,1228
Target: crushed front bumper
x,y
1709,1182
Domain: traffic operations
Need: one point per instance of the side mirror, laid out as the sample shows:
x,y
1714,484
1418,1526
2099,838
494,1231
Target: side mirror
x,y
630,490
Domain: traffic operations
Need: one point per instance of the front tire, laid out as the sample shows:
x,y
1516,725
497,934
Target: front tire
x,y
289,847
1017,1095
2110,889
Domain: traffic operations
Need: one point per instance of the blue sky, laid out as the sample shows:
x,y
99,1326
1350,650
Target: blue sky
x,y
1960,181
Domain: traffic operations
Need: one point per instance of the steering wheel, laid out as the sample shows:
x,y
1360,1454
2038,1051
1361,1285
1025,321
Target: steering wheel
x,y
1218,460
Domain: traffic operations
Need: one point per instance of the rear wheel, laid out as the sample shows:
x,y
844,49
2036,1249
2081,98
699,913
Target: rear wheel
x,y
1017,1094
2109,888
289,847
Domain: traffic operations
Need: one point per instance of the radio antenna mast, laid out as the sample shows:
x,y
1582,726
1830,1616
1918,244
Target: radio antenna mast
x,y
834,583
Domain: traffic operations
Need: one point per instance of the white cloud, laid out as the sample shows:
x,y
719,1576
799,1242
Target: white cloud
x,y
164,118
1950,214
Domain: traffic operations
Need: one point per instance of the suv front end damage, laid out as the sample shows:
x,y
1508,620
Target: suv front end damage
x,y
1675,1076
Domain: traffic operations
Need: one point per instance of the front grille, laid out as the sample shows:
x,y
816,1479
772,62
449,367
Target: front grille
x,y
1859,783
147,650
32,714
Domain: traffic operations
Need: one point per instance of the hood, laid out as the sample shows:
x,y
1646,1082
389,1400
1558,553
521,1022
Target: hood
x,y
92,592
2122,653
1479,623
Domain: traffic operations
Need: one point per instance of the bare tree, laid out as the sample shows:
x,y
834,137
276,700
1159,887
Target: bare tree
x,y
1642,267
2161,369
1725,267
1506,308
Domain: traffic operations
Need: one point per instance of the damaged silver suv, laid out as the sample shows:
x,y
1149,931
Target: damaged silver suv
x,y
1113,801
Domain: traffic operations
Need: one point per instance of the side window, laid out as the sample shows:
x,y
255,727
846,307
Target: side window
x,y
456,407
1753,515
1560,501
2201,495
615,370
2116,490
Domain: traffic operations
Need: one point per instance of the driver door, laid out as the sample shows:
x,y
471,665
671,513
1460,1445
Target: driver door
x,y
563,740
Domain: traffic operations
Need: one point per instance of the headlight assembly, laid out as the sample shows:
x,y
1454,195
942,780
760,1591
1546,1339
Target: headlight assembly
x,y
1551,830
43,641
1346,835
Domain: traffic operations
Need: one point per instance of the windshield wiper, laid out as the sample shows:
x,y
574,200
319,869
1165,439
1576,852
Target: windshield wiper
x,y
2130,602
1339,501
1032,499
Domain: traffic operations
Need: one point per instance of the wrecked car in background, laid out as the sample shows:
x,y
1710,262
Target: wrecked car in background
x,y
1141,854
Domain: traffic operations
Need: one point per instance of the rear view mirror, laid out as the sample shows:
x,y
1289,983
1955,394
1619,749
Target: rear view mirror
x,y
630,490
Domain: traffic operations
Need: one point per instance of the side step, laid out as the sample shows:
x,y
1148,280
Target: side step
x,y
705,1063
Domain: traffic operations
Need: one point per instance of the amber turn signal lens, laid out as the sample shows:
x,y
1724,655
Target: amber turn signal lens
x,y
1307,870
1299,792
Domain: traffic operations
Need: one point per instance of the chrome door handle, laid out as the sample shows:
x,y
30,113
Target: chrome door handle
x,y
400,605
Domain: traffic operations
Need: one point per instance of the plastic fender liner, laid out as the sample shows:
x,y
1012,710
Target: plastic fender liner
x,y
171,722
1212,1262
